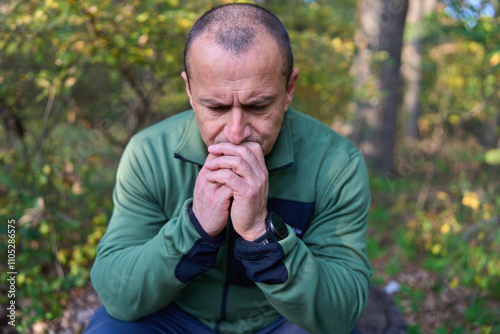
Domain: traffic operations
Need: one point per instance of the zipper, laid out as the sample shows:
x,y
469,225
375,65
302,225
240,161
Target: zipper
x,y
230,251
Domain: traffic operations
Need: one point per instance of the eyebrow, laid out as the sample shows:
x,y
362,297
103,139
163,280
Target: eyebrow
x,y
265,99
211,102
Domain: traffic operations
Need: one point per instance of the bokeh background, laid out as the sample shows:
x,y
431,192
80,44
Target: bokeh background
x,y
414,83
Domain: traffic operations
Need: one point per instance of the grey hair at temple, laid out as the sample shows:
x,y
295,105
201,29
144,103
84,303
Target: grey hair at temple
x,y
234,28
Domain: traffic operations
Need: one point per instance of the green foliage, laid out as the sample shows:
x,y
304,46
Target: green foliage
x,y
461,236
414,329
77,79
461,77
58,227
93,74
478,314
455,235
321,33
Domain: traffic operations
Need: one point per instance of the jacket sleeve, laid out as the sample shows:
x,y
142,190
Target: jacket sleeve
x,y
324,288
145,258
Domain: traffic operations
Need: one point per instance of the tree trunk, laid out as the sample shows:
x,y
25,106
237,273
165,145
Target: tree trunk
x,y
13,127
411,67
378,81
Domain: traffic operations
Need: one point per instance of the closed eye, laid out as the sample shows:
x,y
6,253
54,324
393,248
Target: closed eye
x,y
218,108
257,108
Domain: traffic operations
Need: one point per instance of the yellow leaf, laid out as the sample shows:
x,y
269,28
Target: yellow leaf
x,y
184,23
21,278
62,256
495,59
453,119
337,44
46,169
456,82
442,195
445,228
454,283
70,82
471,200
44,228
475,47
142,17
78,46
173,3
436,249
51,4
424,125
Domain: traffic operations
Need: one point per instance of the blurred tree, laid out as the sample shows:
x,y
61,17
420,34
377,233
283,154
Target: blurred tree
x,y
412,62
377,71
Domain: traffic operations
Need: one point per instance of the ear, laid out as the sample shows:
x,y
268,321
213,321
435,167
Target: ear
x,y
188,88
291,88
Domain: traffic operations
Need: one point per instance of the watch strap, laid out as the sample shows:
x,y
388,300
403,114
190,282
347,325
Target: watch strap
x,y
266,238
271,234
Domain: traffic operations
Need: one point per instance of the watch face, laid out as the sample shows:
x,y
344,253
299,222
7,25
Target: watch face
x,y
279,225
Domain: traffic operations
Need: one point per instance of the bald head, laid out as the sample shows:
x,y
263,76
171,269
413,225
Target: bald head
x,y
236,27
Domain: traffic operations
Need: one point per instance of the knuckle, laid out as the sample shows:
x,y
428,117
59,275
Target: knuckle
x,y
239,161
247,150
252,193
229,176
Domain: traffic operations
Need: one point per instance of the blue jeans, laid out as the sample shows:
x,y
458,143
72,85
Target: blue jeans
x,y
173,320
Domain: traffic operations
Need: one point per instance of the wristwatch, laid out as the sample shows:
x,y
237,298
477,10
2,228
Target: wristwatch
x,y
275,229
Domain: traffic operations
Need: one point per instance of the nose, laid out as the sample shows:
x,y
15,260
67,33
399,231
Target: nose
x,y
237,127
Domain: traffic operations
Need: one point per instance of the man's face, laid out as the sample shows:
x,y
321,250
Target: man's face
x,y
241,98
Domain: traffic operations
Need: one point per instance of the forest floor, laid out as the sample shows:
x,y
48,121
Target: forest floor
x,y
427,308
422,307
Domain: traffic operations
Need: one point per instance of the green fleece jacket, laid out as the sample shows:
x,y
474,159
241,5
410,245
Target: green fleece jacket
x,y
155,251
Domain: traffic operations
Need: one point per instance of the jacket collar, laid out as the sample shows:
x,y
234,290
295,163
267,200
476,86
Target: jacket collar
x,y
192,149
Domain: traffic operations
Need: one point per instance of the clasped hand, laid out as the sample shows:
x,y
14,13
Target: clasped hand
x,y
236,172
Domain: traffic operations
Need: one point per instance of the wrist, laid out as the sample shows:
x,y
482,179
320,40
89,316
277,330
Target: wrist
x,y
276,230
255,233
202,230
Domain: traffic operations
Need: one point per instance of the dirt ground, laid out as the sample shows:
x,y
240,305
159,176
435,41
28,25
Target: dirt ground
x,y
430,309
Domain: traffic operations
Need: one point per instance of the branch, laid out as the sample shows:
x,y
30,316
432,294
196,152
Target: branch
x,y
50,108
46,114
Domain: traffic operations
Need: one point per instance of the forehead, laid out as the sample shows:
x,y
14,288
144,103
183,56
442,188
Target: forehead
x,y
206,55
218,74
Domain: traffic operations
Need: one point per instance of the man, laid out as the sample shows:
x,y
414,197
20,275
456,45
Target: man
x,y
242,216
